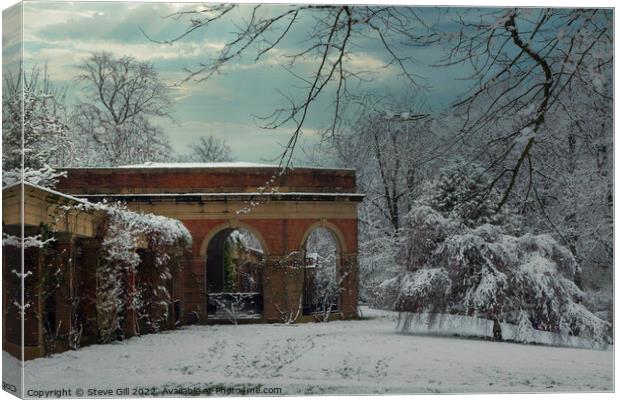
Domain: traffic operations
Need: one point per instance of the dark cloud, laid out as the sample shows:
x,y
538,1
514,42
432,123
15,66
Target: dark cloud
x,y
63,33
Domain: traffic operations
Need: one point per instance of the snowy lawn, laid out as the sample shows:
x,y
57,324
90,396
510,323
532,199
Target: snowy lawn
x,y
365,356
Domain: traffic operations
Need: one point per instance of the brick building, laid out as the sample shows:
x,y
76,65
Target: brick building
x,y
212,200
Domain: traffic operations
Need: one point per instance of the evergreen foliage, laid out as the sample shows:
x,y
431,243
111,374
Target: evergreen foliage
x,y
463,191
531,281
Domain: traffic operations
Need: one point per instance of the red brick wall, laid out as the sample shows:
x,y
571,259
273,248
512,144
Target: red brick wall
x,y
282,237
193,269
172,180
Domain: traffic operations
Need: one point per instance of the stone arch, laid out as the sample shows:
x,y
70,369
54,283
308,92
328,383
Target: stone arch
x,y
243,300
333,229
231,224
309,304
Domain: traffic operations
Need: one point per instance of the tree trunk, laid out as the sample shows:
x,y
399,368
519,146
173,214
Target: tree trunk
x,y
497,330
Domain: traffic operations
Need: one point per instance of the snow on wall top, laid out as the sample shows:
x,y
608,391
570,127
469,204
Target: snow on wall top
x,y
215,165
44,189
234,164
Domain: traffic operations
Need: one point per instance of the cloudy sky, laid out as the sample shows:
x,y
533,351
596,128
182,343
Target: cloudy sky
x,y
62,34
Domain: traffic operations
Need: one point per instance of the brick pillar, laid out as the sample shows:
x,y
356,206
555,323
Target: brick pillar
x,y
294,282
283,281
271,283
87,288
178,292
33,339
62,263
130,325
142,281
157,312
11,295
160,304
193,290
349,299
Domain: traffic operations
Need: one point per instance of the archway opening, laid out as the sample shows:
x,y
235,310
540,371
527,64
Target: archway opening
x,y
235,261
322,280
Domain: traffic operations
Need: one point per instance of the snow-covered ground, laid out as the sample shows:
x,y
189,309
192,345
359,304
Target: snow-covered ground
x,y
365,356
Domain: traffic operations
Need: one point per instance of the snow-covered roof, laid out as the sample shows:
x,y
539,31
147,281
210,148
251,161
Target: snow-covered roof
x,y
232,164
44,189
213,165
226,194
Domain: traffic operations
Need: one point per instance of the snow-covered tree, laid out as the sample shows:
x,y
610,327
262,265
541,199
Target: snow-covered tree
x,y
524,65
389,148
394,148
36,142
462,190
534,133
377,261
34,137
449,268
323,280
574,196
539,118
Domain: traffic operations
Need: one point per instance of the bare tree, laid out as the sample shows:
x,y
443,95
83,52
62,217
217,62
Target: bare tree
x,y
209,149
123,96
389,146
539,116
331,35
524,64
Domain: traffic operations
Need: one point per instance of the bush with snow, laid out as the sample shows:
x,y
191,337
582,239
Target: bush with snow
x,y
118,258
530,281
